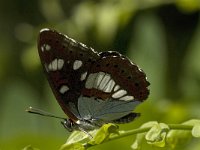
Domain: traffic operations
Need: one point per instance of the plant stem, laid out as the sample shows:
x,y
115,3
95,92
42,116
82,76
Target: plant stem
x,y
180,127
141,130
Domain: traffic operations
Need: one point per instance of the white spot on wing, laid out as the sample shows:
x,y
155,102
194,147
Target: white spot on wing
x,y
72,40
108,88
42,48
116,87
63,89
77,64
83,76
127,98
50,67
60,64
47,47
43,30
104,81
90,80
54,64
98,79
119,94
83,45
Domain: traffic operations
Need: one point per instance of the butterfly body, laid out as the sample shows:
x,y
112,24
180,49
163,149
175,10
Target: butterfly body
x,y
92,88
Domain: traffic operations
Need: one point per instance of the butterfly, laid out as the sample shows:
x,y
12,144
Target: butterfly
x,y
92,88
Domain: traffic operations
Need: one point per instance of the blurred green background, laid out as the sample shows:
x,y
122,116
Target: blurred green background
x,y
161,36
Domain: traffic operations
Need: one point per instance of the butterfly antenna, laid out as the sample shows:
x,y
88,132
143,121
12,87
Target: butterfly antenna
x,y
42,113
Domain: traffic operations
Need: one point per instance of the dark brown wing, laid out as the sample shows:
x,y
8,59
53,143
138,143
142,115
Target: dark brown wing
x,y
66,64
129,78
84,81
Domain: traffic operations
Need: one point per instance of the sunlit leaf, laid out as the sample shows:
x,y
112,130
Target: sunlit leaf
x,y
180,137
140,137
196,126
138,142
73,146
157,134
103,133
177,137
77,136
196,131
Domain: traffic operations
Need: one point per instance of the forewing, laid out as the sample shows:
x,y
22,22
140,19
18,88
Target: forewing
x,y
66,63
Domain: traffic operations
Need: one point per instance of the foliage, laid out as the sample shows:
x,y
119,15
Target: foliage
x,y
162,37
155,134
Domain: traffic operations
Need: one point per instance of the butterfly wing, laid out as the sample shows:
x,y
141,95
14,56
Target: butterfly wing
x,y
97,87
114,87
66,64
114,72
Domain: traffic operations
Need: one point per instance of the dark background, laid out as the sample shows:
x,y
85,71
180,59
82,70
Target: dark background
x,y
162,38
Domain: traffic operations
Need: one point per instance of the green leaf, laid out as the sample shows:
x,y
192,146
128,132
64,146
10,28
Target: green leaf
x,y
77,136
180,137
177,137
196,131
196,126
140,137
73,146
103,133
157,134
74,141
138,142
